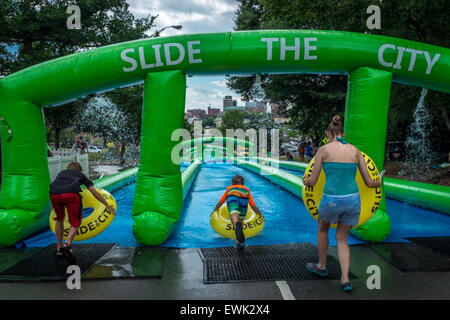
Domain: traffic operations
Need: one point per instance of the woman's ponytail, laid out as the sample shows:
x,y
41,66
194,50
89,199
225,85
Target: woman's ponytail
x,y
335,127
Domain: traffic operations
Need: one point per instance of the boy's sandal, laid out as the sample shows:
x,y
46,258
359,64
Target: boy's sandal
x,y
67,253
58,253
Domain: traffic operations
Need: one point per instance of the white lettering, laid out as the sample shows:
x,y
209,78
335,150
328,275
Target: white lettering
x,y
180,48
309,48
142,60
399,58
269,46
430,63
412,63
192,51
381,52
156,48
414,53
295,48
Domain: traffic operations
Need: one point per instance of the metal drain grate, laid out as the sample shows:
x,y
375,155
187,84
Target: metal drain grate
x,y
260,250
43,266
264,263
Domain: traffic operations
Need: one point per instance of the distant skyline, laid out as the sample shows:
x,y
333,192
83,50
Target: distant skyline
x,y
196,16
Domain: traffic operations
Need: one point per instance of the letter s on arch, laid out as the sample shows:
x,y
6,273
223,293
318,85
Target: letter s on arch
x,y
133,62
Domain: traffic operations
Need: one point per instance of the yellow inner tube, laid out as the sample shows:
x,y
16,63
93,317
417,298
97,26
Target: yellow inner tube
x,y
370,197
221,223
96,222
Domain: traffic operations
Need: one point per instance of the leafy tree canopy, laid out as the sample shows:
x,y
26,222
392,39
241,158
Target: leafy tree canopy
x,y
312,100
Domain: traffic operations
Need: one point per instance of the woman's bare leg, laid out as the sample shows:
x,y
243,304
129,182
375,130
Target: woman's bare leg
x,y
322,243
343,250
59,231
234,219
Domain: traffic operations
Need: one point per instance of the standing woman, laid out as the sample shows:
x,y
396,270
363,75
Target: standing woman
x,y
341,199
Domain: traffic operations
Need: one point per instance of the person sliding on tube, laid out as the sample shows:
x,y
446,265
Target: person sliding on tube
x,y
64,193
341,199
238,197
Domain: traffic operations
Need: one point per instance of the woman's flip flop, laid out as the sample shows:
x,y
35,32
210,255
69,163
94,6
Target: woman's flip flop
x,y
314,269
346,287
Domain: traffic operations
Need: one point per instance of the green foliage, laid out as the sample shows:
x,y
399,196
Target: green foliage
x,y
129,103
37,30
232,119
208,122
189,127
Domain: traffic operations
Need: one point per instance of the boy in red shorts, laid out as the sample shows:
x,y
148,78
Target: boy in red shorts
x,y
64,193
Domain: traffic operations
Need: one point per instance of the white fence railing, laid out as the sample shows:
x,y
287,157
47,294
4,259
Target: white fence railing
x,y
61,159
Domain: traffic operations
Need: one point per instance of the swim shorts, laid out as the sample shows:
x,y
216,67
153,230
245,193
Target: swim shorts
x,y
237,205
71,201
346,208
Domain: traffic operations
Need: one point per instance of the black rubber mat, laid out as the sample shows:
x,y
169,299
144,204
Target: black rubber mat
x,y
43,266
264,263
439,245
411,257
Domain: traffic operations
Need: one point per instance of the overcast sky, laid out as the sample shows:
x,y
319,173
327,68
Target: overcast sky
x,y
196,16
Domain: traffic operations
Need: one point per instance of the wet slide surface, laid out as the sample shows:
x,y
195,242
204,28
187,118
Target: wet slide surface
x,y
287,220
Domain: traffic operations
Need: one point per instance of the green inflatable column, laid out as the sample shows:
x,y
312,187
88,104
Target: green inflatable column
x,y
366,114
158,195
24,197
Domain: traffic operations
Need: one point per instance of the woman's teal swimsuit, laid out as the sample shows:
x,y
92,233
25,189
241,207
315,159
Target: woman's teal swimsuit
x,y
340,198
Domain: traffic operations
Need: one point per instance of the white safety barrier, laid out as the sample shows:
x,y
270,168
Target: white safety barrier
x,y
61,159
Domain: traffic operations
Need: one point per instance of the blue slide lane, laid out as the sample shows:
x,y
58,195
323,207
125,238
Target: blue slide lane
x,y
287,220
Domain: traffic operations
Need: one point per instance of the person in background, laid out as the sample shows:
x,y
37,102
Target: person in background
x,y
301,149
289,157
308,152
341,202
65,193
314,148
238,197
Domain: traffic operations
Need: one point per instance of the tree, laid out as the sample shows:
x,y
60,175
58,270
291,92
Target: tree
x,y
114,116
62,117
301,96
38,28
261,121
232,119
34,31
129,102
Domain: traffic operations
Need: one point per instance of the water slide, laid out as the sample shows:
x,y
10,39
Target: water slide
x,y
287,219
371,63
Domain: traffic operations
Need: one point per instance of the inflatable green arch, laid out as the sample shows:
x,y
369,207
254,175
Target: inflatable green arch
x,y
371,63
